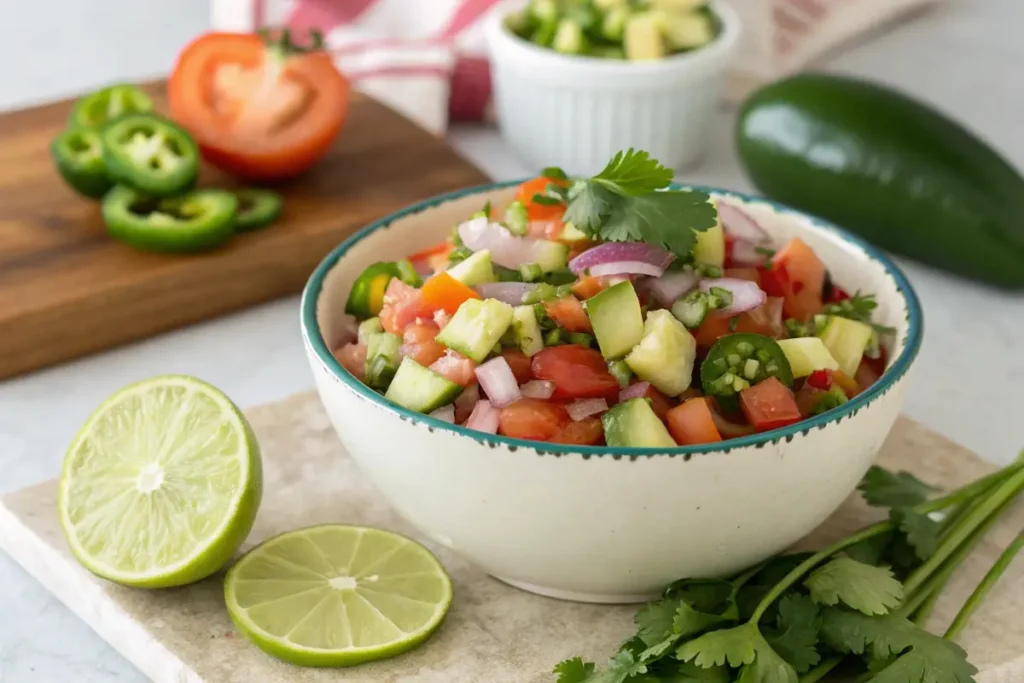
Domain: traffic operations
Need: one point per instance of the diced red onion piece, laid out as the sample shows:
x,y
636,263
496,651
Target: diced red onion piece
x,y
740,224
509,292
670,286
484,418
745,294
615,258
585,407
746,253
498,382
445,413
466,401
538,388
624,267
441,318
634,391
506,249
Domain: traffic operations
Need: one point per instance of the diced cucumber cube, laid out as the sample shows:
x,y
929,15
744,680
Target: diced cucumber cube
x,y
382,358
710,247
665,355
614,24
550,256
476,327
807,354
570,233
527,330
846,340
617,320
475,270
633,424
688,31
544,10
643,37
516,219
569,38
368,327
421,389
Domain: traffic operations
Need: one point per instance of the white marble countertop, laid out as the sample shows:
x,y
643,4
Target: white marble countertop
x,y
963,56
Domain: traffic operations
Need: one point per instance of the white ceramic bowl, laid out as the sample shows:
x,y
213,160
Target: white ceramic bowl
x,y
577,112
594,523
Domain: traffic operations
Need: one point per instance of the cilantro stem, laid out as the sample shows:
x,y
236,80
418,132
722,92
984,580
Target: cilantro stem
x,y
964,528
1008,477
976,597
820,671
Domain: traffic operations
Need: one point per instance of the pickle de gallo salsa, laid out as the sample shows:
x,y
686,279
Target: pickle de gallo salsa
x,y
612,310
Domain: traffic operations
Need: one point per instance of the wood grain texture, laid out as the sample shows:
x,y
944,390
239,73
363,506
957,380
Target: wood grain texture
x,y
493,633
67,289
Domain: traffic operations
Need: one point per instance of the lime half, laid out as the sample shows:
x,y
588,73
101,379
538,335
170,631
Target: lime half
x,y
337,595
161,485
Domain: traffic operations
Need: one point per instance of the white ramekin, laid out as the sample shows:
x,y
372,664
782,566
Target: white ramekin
x,y
577,112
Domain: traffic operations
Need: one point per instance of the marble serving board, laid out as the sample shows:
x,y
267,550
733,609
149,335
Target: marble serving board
x,y
494,633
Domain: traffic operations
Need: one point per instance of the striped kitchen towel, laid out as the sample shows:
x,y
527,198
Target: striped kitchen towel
x,y
427,58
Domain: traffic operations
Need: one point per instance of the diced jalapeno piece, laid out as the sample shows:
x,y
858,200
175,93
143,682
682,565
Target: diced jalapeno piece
x,y
78,154
109,104
554,337
257,208
691,309
621,371
531,272
150,154
581,339
738,361
407,273
197,220
367,295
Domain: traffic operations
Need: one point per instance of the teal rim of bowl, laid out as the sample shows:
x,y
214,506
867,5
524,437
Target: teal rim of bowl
x,y
897,369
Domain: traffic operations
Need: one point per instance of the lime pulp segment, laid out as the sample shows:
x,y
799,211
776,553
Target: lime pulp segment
x,y
161,485
337,595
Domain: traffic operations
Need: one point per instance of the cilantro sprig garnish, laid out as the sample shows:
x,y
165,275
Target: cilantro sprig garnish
x,y
859,307
630,201
795,618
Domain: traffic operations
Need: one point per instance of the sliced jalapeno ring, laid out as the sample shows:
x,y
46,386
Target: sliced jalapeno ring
x,y
150,154
257,208
78,154
97,109
197,220
739,361
367,295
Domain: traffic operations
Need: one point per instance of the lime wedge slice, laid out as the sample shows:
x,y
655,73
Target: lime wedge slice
x,y
337,595
161,485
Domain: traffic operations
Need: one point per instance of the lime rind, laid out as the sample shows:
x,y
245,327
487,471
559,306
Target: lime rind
x,y
110,452
340,595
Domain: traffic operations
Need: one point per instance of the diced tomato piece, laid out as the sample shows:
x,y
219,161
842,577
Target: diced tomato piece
x,y
691,423
532,418
586,432
352,357
433,258
769,404
548,229
418,343
836,295
820,379
807,399
456,367
519,363
568,313
801,275
846,383
766,319
730,245
444,292
746,273
576,371
402,306
588,286
865,375
773,280
539,212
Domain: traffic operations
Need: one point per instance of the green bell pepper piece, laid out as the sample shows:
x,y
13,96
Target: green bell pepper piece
x,y
256,208
193,221
150,154
78,154
109,104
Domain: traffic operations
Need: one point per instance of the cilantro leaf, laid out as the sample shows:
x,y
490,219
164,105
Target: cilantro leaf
x,y
705,595
688,672
921,531
573,670
858,307
634,173
742,646
882,488
654,621
628,202
921,657
871,550
754,590
796,632
554,173
871,590
622,667
662,630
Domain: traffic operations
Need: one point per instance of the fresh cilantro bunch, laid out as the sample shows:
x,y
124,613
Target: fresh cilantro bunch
x,y
629,201
859,602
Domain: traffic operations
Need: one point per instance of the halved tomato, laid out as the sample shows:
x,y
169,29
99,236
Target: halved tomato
x,y
539,212
769,404
577,372
532,418
260,110
569,314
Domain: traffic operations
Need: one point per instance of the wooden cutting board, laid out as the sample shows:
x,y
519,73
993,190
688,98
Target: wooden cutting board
x,y
67,289
494,633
